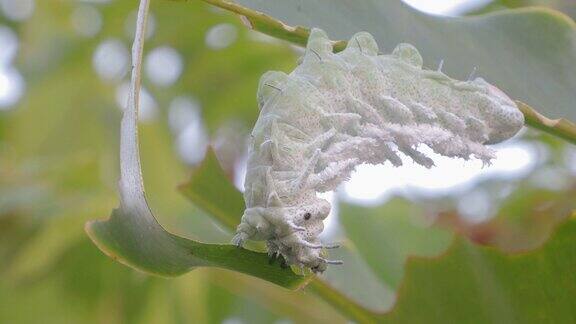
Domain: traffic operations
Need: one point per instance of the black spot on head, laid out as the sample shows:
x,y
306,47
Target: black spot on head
x,y
307,216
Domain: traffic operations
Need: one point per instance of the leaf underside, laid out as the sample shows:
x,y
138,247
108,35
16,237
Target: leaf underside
x,y
140,242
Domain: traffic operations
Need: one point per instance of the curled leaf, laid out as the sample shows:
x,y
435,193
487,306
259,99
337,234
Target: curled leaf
x,y
134,237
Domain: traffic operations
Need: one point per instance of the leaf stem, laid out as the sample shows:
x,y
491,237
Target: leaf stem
x,y
562,127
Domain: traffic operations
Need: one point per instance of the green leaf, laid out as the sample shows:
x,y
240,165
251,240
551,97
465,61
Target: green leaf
x,y
370,291
137,240
298,306
474,284
210,190
496,44
387,235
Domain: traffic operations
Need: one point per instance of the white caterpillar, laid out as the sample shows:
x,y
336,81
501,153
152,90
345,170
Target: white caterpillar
x,y
336,111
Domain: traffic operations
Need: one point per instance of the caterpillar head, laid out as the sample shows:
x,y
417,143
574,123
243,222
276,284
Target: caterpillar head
x,y
311,217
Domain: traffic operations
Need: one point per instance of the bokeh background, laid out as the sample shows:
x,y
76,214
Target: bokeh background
x,y
63,82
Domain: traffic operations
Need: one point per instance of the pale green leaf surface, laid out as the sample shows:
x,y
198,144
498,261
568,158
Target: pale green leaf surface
x,y
357,280
387,235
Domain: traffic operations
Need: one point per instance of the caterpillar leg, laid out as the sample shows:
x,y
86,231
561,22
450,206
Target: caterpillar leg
x,y
253,226
271,148
239,239
273,251
296,251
